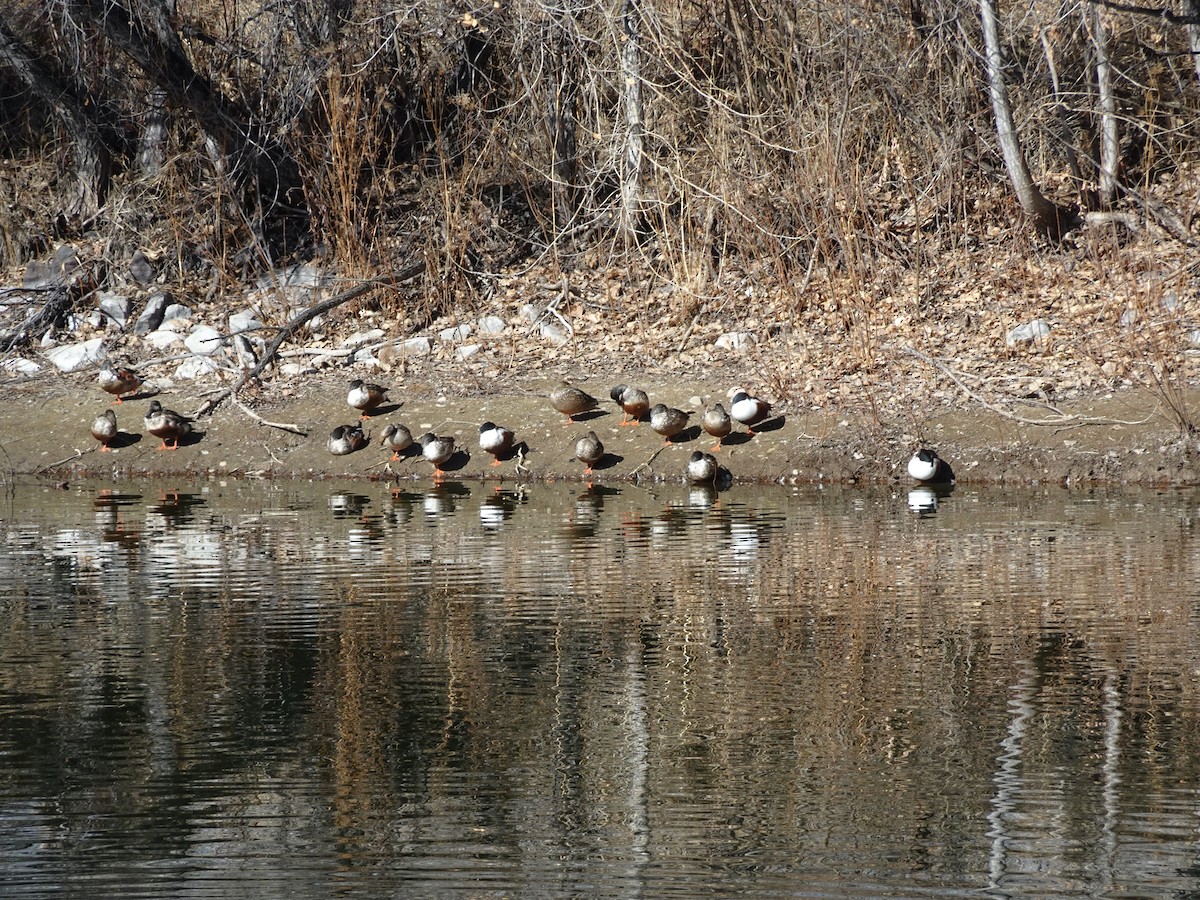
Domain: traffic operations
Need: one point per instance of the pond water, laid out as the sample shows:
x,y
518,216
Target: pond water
x,y
318,689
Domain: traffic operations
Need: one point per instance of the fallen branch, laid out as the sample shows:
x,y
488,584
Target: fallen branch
x,y
1059,419
297,321
282,426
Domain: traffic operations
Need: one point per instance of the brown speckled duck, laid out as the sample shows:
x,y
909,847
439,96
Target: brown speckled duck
x,y
589,451
104,429
667,420
167,424
701,468
716,423
571,401
396,438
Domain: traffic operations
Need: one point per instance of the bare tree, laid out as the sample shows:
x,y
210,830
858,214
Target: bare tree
x,y
631,92
1109,148
93,162
1048,218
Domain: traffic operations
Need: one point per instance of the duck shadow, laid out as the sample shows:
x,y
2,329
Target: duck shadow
x,y
457,461
192,437
736,438
772,424
124,439
607,461
688,434
385,409
519,449
589,415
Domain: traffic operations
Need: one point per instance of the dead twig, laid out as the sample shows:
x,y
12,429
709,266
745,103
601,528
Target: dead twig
x,y
282,426
1060,419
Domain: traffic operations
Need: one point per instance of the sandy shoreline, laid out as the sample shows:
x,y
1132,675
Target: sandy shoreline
x,y
1115,439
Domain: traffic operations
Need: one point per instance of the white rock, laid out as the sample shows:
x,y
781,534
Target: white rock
x,y
20,366
531,312
73,357
735,340
466,351
360,338
248,350
1030,331
116,307
162,339
1194,336
176,311
554,334
1128,317
196,367
457,333
245,320
291,369
299,275
204,340
416,346
491,325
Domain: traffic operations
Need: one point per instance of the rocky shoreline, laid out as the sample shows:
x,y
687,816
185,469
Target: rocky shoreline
x,y
1110,440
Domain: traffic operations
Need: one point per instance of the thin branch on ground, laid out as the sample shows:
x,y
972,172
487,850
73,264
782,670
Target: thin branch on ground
x,y
282,426
1059,418
297,321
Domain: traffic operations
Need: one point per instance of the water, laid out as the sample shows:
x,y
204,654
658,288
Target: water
x,y
257,689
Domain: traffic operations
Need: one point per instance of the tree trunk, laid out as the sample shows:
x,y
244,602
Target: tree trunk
x,y
255,162
1192,9
563,116
93,162
1109,148
1049,219
631,82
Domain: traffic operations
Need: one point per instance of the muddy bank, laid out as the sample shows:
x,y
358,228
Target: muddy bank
x,y
1115,439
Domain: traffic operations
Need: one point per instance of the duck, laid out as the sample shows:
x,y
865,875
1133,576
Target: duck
x,y
701,468
589,451
496,440
104,429
437,450
571,401
716,423
396,438
346,439
927,467
167,424
118,380
365,397
633,402
748,410
668,421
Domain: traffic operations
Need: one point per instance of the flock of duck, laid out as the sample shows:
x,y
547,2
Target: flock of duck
x,y
925,466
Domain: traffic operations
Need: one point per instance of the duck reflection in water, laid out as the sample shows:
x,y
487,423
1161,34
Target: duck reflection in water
x,y
176,508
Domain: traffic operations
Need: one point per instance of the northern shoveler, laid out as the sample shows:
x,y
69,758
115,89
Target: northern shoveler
x,y
496,440
701,468
748,410
346,439
929,468
167,424
437,450
118,380
365,397
396,438
634,403
716,423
